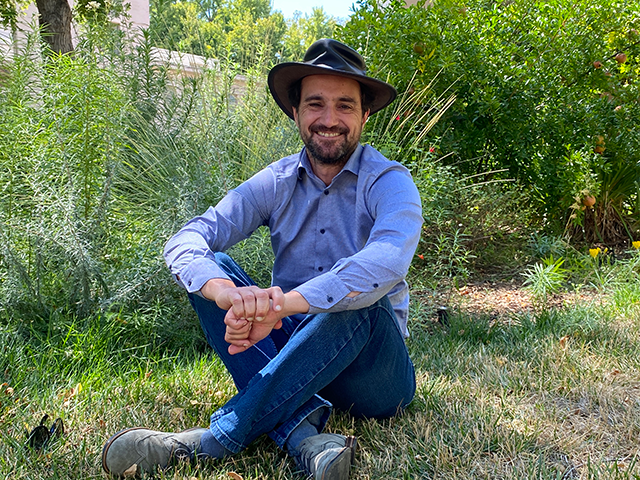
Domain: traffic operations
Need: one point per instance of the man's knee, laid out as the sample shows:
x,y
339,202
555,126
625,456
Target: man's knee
x,y
382,405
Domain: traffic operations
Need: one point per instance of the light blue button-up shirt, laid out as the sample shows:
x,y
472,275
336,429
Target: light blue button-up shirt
x,y
358,234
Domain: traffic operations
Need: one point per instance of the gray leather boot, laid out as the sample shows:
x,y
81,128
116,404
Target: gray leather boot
x,y
327,456
137,450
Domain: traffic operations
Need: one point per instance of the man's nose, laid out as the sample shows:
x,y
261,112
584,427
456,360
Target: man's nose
x,y
330,117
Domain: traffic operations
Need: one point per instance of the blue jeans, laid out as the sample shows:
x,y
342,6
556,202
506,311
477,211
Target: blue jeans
x,y
356,361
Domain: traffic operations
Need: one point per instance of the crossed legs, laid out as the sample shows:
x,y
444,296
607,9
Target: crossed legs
x,y
356,361
287,384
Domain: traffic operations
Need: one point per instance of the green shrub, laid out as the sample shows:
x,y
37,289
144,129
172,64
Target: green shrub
x,y
528,93
544,280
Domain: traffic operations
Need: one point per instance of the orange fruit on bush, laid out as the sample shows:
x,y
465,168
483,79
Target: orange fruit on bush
x,y
621,58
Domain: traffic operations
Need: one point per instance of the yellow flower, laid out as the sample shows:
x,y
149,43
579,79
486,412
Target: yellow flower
x,y
636,245
594,252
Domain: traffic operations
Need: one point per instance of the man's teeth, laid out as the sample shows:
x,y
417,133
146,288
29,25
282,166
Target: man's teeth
x,y
327,134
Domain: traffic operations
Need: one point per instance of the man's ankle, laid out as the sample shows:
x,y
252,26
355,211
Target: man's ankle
x,y
304,430
211,447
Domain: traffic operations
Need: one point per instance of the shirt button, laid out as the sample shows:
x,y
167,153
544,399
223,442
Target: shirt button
x,y
320,269
375,285
189,282
329,298
326,192
322,231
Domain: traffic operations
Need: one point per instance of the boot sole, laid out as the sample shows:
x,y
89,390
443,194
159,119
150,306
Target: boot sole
x,y
352,443
340,467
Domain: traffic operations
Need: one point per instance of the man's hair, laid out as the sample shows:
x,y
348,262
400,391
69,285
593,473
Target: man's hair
x,y
294,93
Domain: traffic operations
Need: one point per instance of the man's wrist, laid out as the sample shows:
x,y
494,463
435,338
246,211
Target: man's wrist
x,y
212,288
295,303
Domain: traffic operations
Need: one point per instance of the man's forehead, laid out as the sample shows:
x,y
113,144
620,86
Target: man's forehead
x,y
319,82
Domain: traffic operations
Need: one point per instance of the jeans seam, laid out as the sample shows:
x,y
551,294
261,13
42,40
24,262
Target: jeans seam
x,y
315,375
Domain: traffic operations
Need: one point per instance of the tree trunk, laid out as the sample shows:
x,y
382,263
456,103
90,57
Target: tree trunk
x,y
55,21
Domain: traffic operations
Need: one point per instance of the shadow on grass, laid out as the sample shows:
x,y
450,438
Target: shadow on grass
x,y
551,396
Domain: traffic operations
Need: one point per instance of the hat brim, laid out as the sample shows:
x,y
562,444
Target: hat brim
x,y
284,75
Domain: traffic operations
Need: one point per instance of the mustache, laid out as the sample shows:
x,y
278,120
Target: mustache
x,y
324,129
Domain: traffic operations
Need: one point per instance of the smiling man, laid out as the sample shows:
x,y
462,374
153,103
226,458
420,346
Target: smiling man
x,y
329,332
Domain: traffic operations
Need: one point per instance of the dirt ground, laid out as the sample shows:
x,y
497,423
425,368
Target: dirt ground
x,y
498,300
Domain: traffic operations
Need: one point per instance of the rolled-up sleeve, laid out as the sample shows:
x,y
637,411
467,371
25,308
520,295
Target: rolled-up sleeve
x,y
189,254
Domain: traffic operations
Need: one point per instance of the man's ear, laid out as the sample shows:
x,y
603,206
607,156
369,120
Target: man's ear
x,y
365,117
295,114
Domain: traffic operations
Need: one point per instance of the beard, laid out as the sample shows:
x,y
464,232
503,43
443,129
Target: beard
x,y
330,153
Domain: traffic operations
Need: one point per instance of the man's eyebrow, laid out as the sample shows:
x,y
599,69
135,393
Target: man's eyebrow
x,y
312,98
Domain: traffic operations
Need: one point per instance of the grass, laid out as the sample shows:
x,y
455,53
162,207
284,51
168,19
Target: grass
x,y
551,395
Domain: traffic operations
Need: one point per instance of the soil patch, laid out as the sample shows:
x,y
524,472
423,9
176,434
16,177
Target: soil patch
x,y
499,300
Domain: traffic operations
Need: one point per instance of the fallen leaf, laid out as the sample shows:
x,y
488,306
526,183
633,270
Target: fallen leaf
x,y
177,412
193,402
73,392
235,476
563,341
131,471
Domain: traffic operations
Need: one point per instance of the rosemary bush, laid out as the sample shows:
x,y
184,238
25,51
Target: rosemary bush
x,y
103,156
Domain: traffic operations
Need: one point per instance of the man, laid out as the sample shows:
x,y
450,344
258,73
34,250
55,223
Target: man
x,y
344,223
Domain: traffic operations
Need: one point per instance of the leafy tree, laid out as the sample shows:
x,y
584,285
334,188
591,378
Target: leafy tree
x,y
180,26
253,39
303,31
245,32
55,17
228,29
9,13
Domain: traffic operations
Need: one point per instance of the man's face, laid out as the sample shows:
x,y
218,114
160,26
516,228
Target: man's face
x,y
330,117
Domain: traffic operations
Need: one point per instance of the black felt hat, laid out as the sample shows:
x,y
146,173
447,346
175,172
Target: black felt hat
x,y
327,57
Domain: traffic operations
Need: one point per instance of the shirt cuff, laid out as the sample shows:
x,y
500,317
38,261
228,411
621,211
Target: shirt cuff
x,y
198,272
323,292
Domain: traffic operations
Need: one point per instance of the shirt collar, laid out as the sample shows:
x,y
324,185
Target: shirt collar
x,y
352,165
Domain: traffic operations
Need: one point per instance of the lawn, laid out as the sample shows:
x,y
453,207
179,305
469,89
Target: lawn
x,y
504,391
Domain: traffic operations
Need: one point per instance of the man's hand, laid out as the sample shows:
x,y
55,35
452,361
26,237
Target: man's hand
x,y
251,303
242,334
252,312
